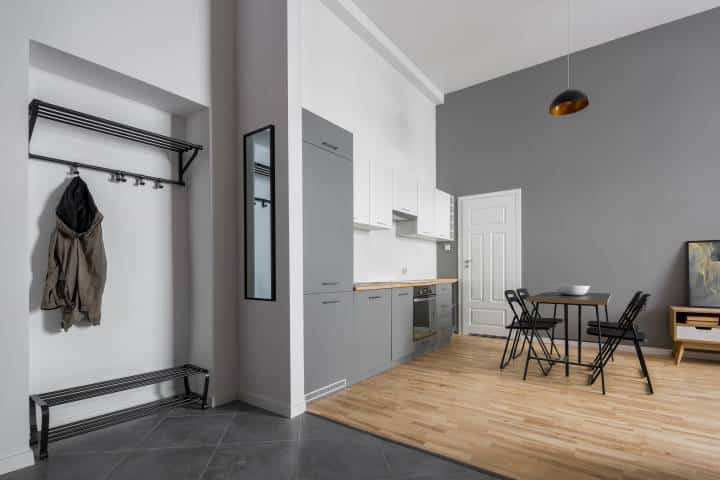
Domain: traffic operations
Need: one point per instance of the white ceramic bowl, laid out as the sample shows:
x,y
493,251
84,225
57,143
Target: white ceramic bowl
x,y
574,289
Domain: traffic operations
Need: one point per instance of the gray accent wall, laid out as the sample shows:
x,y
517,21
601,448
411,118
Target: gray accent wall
x,y
611,194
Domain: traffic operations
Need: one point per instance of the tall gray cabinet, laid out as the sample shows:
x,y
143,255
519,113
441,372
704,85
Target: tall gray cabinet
x,y
328,254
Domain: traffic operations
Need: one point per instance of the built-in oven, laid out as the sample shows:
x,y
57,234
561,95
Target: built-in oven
x,y
423,312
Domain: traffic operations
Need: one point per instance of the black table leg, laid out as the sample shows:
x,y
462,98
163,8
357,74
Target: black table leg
x,y
580,333
602,371
567,353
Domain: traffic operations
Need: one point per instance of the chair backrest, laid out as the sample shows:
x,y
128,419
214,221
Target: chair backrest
x,y
514,300
630,309
639,306
529,306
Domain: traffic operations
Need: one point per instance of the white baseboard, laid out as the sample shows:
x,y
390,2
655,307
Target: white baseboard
x,y
267,403
16,461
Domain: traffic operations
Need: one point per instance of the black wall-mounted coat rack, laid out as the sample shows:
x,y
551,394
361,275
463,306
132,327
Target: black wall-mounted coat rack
x,y
56,113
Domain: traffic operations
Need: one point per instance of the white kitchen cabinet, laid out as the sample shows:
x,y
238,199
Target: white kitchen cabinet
x,y
405,193
424,225
361,189
443,217
381,195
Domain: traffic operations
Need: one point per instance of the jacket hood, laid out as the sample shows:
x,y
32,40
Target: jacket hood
x,y
77,209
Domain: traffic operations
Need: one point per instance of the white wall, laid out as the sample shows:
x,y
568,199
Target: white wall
x,y
347,82
14,451
168,48
270,334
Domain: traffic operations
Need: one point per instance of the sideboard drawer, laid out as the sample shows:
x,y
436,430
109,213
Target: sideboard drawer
x,y
710,335
701,321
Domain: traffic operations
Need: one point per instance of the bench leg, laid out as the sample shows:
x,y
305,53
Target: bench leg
x,y
33,422
186,381
43,454
205,391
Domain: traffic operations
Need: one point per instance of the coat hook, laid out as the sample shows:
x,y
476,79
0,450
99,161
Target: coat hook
x,y
158,185
74,172
139,181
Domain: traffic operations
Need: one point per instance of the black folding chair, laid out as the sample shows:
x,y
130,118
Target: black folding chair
x,y
520,326
534,309
614,333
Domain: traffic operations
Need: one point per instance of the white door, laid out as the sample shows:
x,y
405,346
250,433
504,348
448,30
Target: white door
x,y
489,259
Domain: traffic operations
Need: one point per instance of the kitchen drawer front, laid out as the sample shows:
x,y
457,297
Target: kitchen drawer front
x,y
402,323
371,336
444,295
328,332
702,321
444,317
424,346
327,222
709,335
326,135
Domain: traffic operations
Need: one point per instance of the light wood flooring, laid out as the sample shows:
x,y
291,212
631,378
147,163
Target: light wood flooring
x,y
458,404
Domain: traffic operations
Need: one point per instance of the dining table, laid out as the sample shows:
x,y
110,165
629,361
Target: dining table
x,y
592,300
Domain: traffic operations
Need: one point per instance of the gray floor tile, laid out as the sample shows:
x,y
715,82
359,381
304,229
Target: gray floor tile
x,y
170,464
276,461
256,426
69,467
341,458
314,428
193,431
118,437
404,461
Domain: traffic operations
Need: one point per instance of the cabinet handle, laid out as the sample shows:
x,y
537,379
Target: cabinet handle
x,y
330,145
375,297
330,302
403,294
325,284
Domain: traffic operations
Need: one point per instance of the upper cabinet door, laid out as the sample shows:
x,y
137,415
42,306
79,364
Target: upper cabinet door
x,y
426,210
443,207
405,193
361,188
381,185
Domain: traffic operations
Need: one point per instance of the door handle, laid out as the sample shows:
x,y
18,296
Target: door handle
x,y
403,294
330,302
375,297
326,284
330,145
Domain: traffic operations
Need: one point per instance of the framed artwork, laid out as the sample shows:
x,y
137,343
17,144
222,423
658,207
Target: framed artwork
x,y
704,273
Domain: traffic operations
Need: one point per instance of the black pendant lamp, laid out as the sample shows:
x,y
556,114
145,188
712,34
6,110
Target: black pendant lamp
x,y
569,101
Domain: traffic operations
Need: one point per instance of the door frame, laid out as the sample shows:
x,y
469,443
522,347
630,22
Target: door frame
x,y
517,196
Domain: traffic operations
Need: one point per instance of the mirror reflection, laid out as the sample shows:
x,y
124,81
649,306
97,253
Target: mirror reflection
x,y
259,152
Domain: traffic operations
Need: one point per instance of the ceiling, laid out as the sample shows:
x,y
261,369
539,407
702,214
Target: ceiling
x,y
459,43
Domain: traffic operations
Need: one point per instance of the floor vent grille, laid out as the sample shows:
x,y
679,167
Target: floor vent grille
x,y
326,390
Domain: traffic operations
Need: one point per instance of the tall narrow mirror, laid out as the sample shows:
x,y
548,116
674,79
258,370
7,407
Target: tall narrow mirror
x,y
259,153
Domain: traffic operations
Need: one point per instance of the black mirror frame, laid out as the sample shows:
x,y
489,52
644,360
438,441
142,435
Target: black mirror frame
x,y
273,262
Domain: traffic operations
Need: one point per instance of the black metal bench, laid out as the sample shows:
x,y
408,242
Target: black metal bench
x,y
68,395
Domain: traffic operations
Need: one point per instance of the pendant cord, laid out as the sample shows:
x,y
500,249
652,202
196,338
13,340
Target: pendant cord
x,y
568,44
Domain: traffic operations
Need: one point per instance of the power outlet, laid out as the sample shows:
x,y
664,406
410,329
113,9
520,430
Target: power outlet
x,y
404,270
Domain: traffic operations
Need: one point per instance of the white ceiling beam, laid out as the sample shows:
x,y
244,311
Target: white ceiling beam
x,y
361,24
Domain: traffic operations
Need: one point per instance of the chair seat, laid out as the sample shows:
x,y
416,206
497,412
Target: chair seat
x,y
604,325
540,324
614,332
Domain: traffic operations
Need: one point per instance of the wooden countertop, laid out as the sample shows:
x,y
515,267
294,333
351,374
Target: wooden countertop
x,y
402,284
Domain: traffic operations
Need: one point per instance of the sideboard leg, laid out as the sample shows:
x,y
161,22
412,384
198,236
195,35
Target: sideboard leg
x,y
679,350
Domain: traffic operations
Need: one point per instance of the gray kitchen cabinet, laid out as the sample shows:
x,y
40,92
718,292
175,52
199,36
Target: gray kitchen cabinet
x,y
328,332
326,135
402,345
327,221
371,333
444,314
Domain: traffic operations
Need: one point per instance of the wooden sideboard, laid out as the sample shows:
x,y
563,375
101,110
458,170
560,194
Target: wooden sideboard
x,y
694,328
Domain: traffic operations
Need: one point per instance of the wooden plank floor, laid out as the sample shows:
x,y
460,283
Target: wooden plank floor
x,y
458,404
